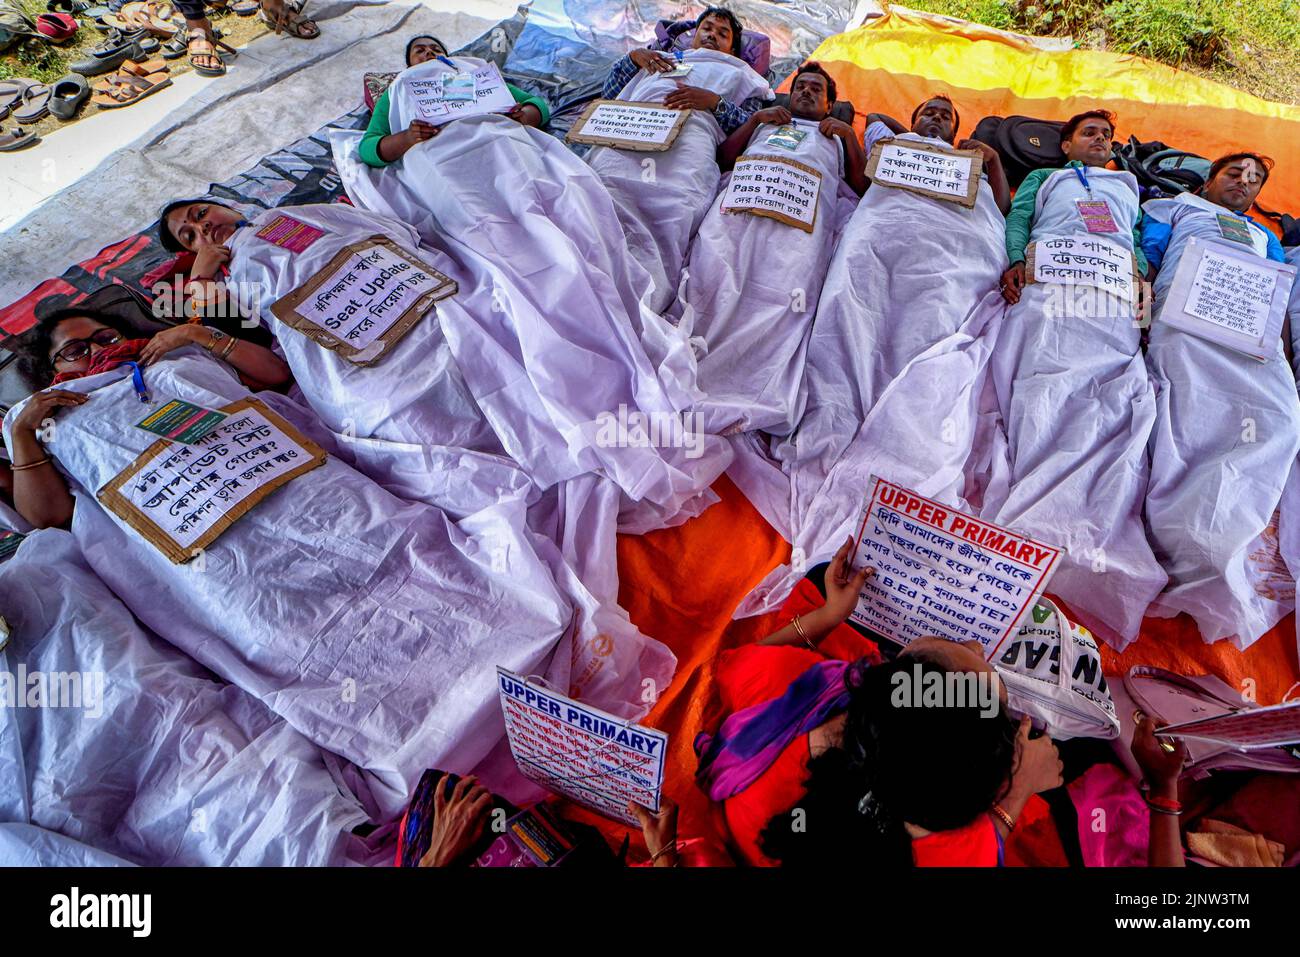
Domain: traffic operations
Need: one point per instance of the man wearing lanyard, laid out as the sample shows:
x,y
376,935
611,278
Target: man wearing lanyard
x,y
1086,143
1075,400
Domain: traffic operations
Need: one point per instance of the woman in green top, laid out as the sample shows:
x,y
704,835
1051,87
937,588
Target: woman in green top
x,y
380,146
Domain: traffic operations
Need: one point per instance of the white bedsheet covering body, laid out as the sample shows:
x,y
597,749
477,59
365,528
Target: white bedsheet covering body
x,y
662,197
1078,409
751,288
153,759
1225,442
553,339
372,625
411,423
896,373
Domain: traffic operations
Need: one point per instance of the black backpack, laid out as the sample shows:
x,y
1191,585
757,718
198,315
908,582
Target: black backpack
x,y
1161,170
1024,143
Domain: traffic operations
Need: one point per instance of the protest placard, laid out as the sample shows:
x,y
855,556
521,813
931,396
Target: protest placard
x,y
950,175
647,127
439,103
181,498
1246,730
781,189
942,572
365,299
585,754
1229,296
1084,261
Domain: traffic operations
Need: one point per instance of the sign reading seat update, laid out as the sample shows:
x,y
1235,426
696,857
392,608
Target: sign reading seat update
x,y
942,572
589,756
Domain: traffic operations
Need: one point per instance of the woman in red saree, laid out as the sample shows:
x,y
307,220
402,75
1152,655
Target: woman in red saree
x,y
824,749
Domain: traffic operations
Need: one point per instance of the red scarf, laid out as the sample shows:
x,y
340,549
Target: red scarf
x,y
108,357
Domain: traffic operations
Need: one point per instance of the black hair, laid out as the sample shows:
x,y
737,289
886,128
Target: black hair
x,y
33,347
938,768
724,13
1074,122
421,36
956,117
812,66
1265,163
165,234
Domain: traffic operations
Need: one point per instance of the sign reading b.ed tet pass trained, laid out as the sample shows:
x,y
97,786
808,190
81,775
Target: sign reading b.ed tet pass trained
x,y
950,175
942,572
587,755
778,188
648,127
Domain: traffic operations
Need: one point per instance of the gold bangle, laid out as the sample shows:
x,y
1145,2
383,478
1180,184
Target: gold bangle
x,y
1003,816
798,630
230,347
29,465
670,846
213,338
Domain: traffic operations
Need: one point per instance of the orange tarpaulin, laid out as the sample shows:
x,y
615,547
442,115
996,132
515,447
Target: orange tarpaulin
x,y
896,61
681,585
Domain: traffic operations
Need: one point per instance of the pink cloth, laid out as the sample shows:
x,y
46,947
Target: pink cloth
x,y
1114,821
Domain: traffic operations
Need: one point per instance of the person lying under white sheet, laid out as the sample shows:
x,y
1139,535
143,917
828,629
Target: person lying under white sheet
x,y
1227,426
405,416
752,283
561,339
1075,400
135,749
371,625
662,197
896,358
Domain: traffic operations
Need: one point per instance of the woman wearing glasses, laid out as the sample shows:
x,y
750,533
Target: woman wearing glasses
x,y
370,624
68,344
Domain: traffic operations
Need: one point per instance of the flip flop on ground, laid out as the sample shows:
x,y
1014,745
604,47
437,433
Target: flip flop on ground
x,y
16,139
129,89
287,16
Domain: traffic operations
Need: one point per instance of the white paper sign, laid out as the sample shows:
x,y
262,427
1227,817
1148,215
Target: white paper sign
x,y
186,494
942,572
587,755
903,166
1231,293
782,189
1085,261
490,96
363,298
1230,296
638,124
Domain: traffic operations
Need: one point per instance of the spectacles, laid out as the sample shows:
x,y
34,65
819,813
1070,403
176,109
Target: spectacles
x,y
80,348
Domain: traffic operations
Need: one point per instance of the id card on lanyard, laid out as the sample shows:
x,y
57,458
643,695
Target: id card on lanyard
x,y
1095,213
1234,229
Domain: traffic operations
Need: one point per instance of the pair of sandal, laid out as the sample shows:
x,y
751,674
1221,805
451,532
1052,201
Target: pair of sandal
x,y
27,100
13,99
201,47
130,84
157,18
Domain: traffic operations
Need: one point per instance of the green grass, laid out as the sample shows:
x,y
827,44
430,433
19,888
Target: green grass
x,y
1253,45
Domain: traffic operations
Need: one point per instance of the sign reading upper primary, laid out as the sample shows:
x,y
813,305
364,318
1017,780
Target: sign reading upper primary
x,y
587,755
649,127
942,572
